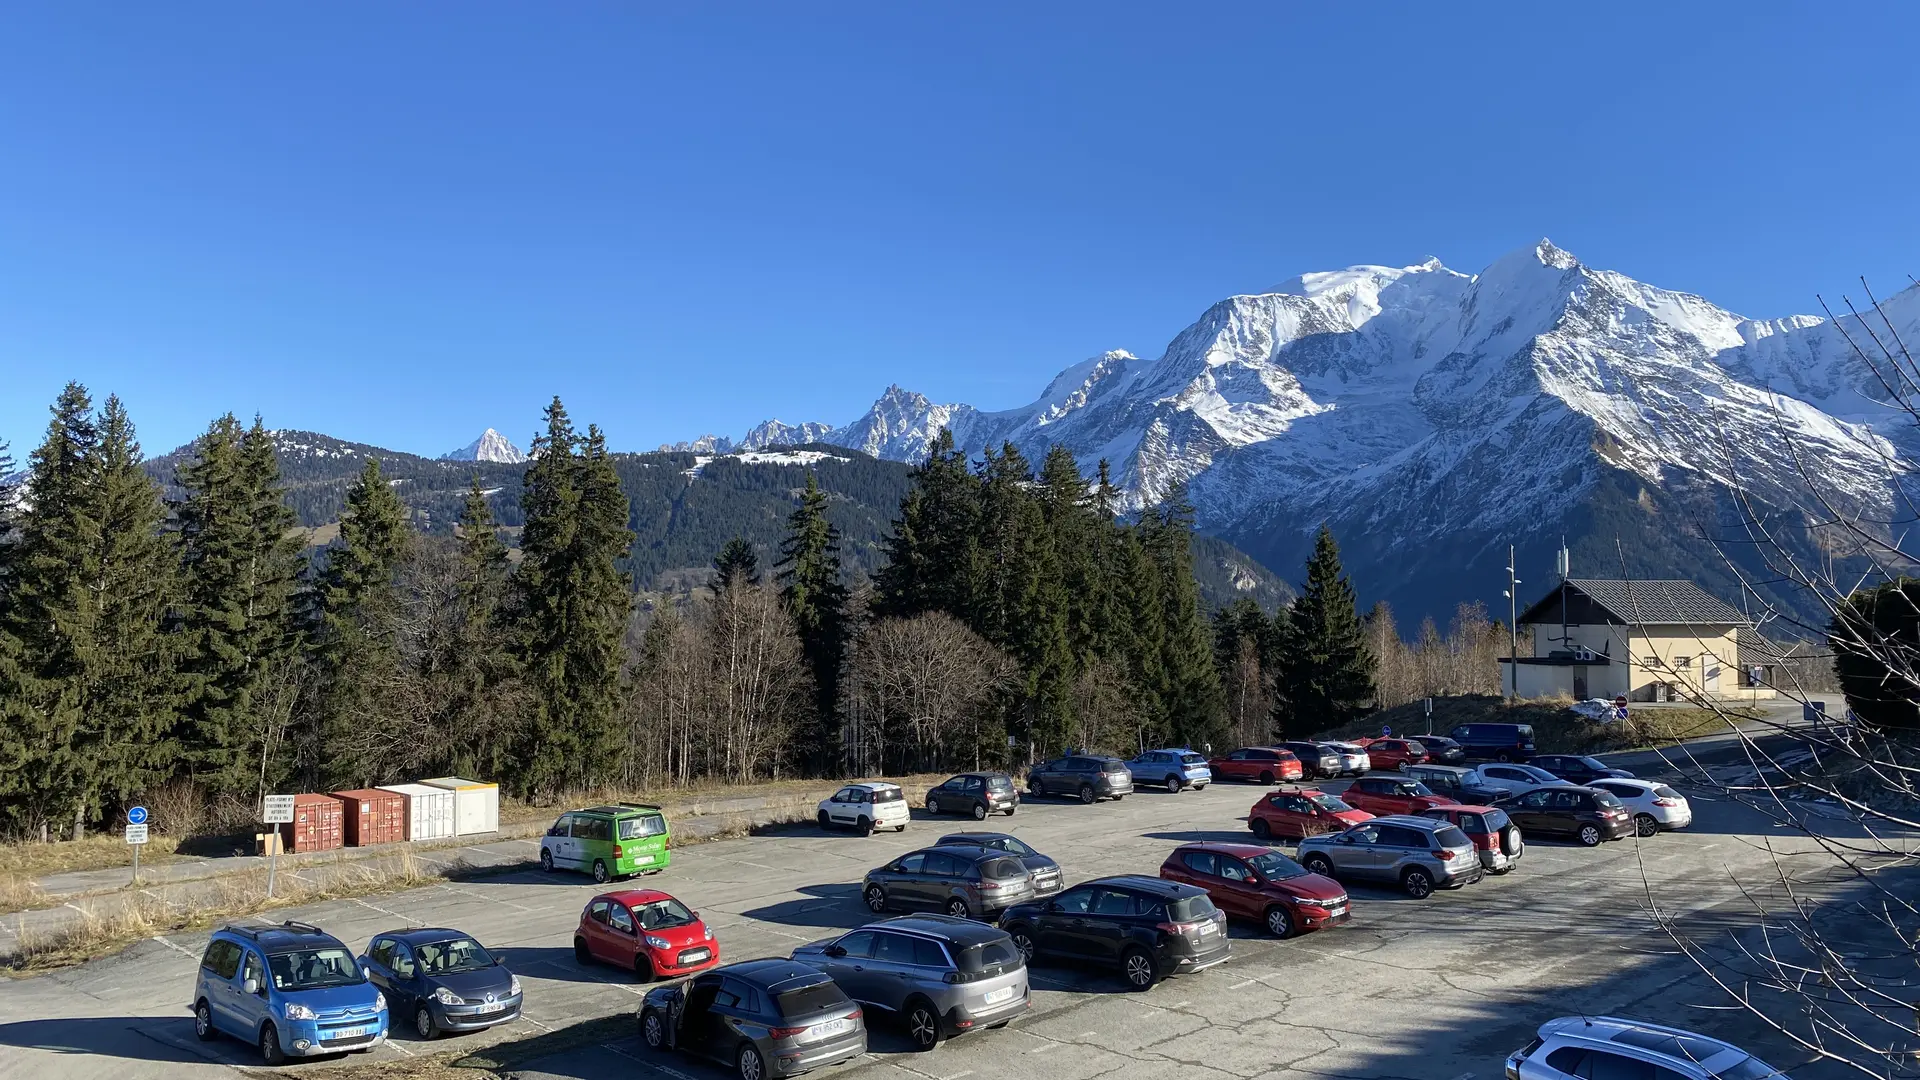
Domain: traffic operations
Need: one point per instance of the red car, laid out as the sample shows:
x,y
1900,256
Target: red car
x,y
1265,764
1393,753
1297,812
1496,839
1383,795
645,931
1248,881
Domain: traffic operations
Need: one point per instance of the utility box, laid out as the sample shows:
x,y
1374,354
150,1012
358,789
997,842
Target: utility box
x,y
318,824
476,807
429,811
373,816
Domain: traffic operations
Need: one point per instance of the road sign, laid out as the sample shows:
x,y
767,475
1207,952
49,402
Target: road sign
x,y
1429,704
136,834
137,815
277,810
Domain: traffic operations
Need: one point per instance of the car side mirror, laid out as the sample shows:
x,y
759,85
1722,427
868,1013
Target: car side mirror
x,y
251,986
1053,905
834,951
366,970
1344,839
1253,879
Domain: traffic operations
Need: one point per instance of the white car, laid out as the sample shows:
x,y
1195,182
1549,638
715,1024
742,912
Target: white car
x,y
1583,1046
1516,779
866,807
1654,806
1353,758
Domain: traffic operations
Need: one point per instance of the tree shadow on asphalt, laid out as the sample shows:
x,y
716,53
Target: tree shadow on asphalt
x,y
1214,836
148,1039
826,907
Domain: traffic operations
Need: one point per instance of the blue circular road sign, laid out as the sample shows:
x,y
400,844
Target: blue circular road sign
x,y
137,816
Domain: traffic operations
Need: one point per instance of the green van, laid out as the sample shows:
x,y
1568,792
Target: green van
x,y
609,841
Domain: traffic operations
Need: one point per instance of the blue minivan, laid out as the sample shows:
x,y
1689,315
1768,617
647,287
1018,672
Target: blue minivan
x,y
293,990
1171,768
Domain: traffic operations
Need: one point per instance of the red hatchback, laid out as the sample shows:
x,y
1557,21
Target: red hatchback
x,y
1393,753
1296,812
1248,881
645,931
1383,795
1265,764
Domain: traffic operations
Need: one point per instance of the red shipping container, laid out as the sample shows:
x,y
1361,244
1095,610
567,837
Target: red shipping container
x,y
373,817
317,824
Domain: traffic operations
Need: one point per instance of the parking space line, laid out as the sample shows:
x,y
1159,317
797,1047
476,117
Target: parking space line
x,y
384,911
183,952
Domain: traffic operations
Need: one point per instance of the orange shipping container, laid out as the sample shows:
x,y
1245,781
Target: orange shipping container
x,y
373,817
318,822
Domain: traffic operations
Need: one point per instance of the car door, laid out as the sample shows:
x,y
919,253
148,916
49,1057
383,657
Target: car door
x,y
379,963
1354,851
251,1009
948,794
407,980
730,1018
891,971
1062,926
694,1026
559,841
1529,811
623,935
1564,810
850,970
1108,919
975,792
900,879
222,964
1237,888
594,928
1198,868
934,882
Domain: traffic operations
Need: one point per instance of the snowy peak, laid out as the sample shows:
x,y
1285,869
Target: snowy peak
x,y
775,433
705,444
490,446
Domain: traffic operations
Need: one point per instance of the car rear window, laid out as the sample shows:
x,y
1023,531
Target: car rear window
x,y
1002,869
1452,837
1192,759
639,828
1665,792
1113,764
1496,820
1000,783
991,957
1186,908
893,794
807,1000
1524,731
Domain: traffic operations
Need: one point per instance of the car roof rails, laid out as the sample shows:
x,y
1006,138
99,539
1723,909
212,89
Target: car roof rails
x,y
641,805
305,928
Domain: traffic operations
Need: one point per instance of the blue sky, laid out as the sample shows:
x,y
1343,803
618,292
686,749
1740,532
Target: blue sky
x,y
406,223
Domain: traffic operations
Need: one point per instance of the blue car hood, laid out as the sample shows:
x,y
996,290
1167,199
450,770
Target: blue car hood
x,y
496,980
357,996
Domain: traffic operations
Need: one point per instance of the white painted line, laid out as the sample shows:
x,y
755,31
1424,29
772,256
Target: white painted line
x,y
1242,985
1044,1047
400,1048
617,1050
384,911
183,952
1086,1035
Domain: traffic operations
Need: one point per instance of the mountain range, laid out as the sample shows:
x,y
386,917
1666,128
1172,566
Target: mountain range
x,y
1433,417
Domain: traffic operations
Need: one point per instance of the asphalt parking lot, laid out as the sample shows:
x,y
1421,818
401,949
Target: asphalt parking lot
x,y
1439,989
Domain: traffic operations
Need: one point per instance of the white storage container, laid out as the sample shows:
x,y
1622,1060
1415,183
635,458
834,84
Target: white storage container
x,y
430,811
476,807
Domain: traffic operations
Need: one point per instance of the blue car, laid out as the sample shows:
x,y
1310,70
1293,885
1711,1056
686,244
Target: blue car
x,y
1172,769
293,990
442,979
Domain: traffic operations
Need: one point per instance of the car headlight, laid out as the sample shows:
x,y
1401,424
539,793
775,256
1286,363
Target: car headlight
x,y
513,988
658,942
297,1011
379,1002
446,997
707,930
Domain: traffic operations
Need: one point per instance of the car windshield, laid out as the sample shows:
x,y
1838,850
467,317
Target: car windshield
x,y
1002,869
662,914
1541,775
1330,803
1012,847
451,955
1415,788
1496,820
1276,867
313,969
1593,763
1453,838
1750,1069
1191,908
639,828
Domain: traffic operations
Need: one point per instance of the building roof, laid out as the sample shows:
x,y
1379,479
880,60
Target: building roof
x,y
1639,603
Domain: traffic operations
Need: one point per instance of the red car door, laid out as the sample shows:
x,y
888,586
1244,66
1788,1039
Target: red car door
x,y
1231,767
1236,883
1203,869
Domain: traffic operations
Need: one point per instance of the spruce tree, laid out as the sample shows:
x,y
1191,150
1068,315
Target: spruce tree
x,y
1190,698
474,690
816,600
934,557
737,563
1325,670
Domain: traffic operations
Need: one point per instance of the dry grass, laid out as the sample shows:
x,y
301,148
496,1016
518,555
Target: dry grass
x,y
102,851
500,1059
670,798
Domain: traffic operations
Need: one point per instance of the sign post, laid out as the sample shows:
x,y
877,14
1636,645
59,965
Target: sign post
x,y
136,836
275,810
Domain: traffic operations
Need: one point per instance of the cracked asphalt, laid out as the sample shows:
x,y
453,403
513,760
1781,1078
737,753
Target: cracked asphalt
x,y
1440,989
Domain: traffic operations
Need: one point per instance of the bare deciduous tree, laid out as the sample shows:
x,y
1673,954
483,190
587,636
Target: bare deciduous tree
x,y
924,693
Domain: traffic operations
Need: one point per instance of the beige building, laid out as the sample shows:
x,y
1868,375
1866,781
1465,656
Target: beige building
x,y
1641,640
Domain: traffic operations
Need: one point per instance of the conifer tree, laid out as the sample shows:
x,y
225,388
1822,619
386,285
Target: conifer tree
x,y
736,563
816,600
1190,697
475,692
1325,670
934,557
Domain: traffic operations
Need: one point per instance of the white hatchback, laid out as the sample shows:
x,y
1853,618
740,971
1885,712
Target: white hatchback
x,y
1655,806
866,807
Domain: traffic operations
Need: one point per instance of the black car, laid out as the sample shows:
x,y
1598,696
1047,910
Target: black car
x,y
1440,749
1146,927
1042,872
1494,742
975,793
1317,759
441,980
1086,777
1578,769
765,1018
1586,814
1456,783
963,881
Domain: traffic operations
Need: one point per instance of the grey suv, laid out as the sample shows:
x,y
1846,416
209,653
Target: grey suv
x,y
961,880
766,1018
940,976
1418,854
1083,776
1042,872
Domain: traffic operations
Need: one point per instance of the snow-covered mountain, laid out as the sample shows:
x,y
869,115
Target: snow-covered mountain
x,y
1433,417
490,446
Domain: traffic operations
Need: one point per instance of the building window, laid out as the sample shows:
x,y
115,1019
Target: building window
x,y
1682,663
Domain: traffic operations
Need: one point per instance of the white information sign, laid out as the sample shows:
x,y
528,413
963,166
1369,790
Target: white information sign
x,y
136,834
277,810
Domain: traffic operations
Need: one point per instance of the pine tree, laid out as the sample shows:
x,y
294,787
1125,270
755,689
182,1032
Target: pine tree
x,y
934,557
816,600
1325,670
737,563
1190,698
476,688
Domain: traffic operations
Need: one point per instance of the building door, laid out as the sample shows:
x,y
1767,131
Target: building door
x,y
1579,684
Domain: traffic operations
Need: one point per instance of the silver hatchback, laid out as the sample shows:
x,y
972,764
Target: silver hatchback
x,y
940,976
1418,854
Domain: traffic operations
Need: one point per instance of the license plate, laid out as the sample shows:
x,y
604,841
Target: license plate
x,y
1338,915
694,956
643,858
995,997
491,1007
1204,929
832,1027
351,1033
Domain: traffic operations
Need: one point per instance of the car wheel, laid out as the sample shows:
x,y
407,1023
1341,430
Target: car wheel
x,y
1033,789
1279,922
1009,811
1261,829
580,953
1646,825
923,1025
546,860
1199,787
642,968
1503,756
423,1024
1319,864
1022,941
1138,968
1174,785
1266,778
752,1065
864,826
876,899
270,1051
825,821
979,811
933,806
1417,883
1590,835
899,828
957,909
600,875
203,1022
1086,793
653,1030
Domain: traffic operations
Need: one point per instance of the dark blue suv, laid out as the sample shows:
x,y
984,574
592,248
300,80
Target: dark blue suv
x,y
1494,742
293,990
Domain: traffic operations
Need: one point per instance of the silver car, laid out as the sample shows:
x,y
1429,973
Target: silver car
x,y
1042,872
961,880
940,976
1419,854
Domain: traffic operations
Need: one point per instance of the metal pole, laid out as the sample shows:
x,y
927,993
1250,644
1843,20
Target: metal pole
x,y
273,852
1513,629
136,864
